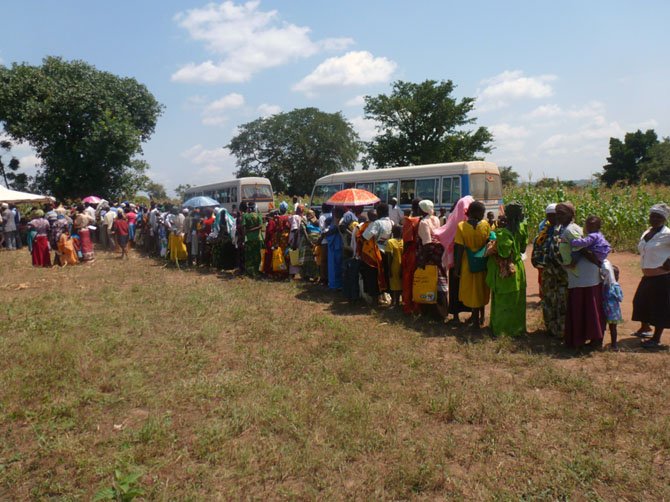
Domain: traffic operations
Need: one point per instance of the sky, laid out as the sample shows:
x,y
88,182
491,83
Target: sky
x,y
553,81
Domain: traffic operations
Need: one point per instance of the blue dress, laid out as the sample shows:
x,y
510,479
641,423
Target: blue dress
x,y
335,246
613,298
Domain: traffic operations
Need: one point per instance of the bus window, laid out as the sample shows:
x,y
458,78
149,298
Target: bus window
x,y
451,190
350,185
233,194
386,190
485,186
406,191
324,192
365,186
425,189
256,192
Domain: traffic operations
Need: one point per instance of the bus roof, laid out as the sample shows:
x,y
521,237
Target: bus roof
x,y
427,170
255,180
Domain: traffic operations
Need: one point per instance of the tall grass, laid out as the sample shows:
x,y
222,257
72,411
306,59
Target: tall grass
x,y
624,210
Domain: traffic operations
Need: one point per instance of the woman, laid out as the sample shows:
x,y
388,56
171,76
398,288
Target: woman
x,y
651,304
81,222
585,317
223,238
371,246
308,242
430,251
120,228
252,223
446,235
410,242
471,236
506,275
295,222
335,246
40,246
131,217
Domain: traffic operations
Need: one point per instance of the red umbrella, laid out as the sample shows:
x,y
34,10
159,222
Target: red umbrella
x,y
92,199
353,197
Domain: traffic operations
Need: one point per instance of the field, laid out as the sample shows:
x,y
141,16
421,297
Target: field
x,y
213,386
624,210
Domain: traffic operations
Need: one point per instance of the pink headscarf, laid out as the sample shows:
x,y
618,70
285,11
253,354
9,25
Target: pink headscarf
x,y
447,232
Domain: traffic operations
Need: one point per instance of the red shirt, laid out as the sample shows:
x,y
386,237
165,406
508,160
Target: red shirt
x,y
131,217
120,227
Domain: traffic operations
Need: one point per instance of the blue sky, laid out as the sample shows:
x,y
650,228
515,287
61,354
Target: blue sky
x,y
553,80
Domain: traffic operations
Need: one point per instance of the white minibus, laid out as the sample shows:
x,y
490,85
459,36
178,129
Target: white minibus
x,y
444,184
235,191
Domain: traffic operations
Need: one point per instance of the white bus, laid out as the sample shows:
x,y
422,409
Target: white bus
x,y
444,184
235,191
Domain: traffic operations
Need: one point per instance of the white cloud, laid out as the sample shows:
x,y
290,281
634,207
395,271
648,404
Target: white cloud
x,y
354,68
552,111
509,86
214,113
266,110
213,165
356,101
365,128
246,40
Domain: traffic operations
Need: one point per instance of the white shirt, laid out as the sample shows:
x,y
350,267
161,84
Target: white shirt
x,y
322,221
427,225
381,229
654,253
396,215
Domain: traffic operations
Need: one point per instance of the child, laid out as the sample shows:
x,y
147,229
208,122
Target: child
x,y
66,250
490,217
394,248
594,242
612,296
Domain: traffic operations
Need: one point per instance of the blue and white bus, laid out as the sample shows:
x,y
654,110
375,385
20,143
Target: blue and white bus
x,y
232,192
444,184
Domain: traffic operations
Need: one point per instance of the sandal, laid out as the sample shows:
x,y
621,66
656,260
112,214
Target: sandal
x,y
651,344
643,334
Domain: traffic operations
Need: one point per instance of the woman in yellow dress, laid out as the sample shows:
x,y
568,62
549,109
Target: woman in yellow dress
x,y
471,236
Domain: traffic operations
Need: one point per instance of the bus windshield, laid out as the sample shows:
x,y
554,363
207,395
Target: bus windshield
x,y
256,192
324,192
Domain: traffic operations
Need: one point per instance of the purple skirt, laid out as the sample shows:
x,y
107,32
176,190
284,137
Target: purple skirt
x,y
585,319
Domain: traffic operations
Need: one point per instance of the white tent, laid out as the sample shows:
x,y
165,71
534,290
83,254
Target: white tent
x,y
14,197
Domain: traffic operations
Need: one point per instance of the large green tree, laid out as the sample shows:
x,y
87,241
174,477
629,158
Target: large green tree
x,y
86,125
657,168
423,124
294,149
508,176
627,155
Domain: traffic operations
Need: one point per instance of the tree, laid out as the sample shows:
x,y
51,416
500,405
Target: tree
x,y
508,176
423,124
625,157
181,190
155,190
295,148
657,168
86,125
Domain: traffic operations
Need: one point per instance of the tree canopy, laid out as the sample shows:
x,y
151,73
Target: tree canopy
x,y
86,125
656,169
294,149
423,124
626,157
13,179
508,176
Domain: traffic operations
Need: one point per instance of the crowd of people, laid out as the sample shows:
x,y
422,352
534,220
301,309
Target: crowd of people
x,y
417,262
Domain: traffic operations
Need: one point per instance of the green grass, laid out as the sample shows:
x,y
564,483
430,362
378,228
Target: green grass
x,y
218,387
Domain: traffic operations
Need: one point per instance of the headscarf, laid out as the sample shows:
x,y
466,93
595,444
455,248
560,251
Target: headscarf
x,y
567,207
283,207
661,209
427,206
551,209
447,232
224,221
514,215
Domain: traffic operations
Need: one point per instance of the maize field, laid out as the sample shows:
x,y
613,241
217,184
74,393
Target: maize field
x,y
624,211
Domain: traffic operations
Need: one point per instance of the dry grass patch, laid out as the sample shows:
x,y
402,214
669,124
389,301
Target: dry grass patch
x,y
216,386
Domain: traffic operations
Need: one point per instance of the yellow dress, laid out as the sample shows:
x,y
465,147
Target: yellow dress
x,y
394,247
473,291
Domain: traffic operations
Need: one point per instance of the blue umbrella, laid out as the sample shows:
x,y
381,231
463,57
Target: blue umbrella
x,y
200,201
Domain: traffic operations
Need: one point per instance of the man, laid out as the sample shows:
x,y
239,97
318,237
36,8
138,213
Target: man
x,y
17,221
107,224
395,213
10,227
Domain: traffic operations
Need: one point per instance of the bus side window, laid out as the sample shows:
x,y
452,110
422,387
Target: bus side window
x,y
425,189
350,185
365,186
406,191
386,190
451,189
233,194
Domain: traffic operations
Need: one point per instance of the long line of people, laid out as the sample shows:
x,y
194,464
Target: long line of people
x,y
415,262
